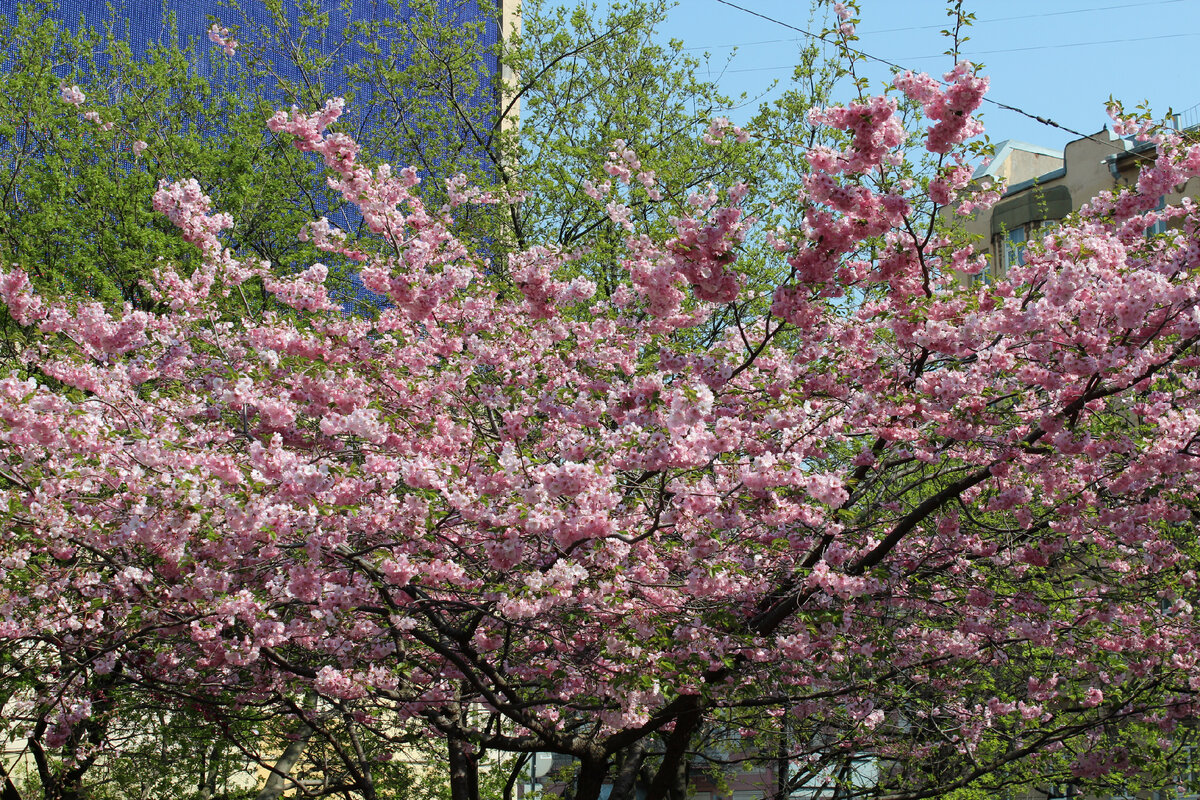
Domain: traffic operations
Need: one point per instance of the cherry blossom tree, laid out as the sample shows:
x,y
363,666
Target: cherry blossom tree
x,y
881,518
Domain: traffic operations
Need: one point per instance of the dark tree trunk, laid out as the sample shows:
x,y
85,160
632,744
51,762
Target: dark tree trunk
x,y
514,774
783,791
625,781
590,781
464,770
678,790
210,771
670,782
56,785
60,789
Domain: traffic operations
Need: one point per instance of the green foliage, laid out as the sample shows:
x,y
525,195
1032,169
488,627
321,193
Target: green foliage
x,y
76,209
76,214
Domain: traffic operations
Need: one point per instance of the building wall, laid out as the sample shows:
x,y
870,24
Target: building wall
x,y
1016,162
1031,207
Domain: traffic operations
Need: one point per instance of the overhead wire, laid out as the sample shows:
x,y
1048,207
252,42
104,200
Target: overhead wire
x,y
993,52
1030,115
1123,7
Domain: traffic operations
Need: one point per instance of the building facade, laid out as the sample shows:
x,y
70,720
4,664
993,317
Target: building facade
x,y
1045,185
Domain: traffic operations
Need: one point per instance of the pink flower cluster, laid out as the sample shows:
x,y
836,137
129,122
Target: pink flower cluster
x,y
870,487
71,95
876,132
950,109
719,127
221,38
186,205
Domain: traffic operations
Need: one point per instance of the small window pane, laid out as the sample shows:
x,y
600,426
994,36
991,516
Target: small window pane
x,y
1014,248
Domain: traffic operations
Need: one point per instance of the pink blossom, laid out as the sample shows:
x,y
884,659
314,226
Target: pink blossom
x,y
826,466
71,95
221,38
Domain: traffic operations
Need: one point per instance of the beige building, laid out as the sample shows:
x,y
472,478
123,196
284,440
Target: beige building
x,y
1046,185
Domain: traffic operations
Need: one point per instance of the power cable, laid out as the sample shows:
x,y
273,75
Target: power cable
x,y
1072,44
994,52
1123,7
1035,117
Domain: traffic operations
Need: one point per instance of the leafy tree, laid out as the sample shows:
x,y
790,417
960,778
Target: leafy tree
x,y
77,208
89,144
882,517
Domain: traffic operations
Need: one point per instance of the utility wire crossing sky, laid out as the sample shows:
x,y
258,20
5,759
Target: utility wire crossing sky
x,y
1052,65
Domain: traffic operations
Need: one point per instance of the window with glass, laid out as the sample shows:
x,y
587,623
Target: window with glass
x,y
1161,225
1011,246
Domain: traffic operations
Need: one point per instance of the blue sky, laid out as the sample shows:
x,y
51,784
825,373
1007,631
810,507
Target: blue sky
x,y
1059,59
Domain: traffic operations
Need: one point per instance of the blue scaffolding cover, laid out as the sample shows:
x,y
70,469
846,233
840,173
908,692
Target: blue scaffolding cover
x,y
185,24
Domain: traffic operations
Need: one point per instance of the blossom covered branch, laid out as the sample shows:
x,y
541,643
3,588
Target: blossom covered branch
x,y
849,514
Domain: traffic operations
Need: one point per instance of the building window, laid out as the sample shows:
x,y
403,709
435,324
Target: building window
x,y
1010,246
1012,249
1161,225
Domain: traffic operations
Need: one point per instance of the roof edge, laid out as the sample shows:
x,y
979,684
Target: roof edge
x,y
1006,148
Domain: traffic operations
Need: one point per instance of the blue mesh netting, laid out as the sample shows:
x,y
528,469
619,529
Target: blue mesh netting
x,y
146,22
143,23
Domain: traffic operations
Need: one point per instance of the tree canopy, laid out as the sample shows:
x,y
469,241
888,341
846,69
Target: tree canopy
x,y
869,514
